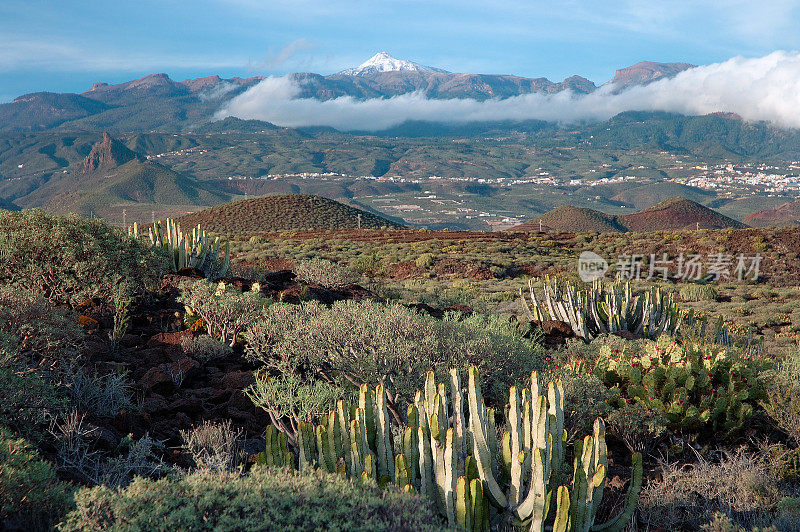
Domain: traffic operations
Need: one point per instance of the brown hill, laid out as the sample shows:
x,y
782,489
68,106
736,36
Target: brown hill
x,y
284,212
787,214
672,215
567,218
676,214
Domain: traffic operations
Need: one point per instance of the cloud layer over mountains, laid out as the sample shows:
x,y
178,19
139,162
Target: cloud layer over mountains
x,y
764,88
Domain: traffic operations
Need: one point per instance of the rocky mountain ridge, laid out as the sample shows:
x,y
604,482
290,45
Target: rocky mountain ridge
x,y
157,102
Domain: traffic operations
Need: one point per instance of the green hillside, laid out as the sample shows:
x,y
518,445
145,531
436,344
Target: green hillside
x,y
134,182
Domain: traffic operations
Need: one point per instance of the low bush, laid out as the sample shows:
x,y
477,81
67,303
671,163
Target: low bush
x,y
740,486
585,399
80,456
104,395
287,394
28,400
263,500
68,259
425,260
32,328
783,397
325,273
698,292
354,342
205,348
37,341
638,427
368,264
31,497
215,446
225,310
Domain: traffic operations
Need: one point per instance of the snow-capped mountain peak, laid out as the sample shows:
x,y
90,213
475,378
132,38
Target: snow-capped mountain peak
x,y
383,62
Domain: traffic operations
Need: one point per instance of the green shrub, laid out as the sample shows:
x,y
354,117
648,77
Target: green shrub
x,y
226,310
205,348
368,264
287,394
28,399
37,341
425,260
585,399
68,259
262,500
30,324
370,342
31,497
325,273
698,292
638,427
783,397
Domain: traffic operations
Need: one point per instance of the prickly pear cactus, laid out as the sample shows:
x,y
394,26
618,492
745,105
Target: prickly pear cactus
x,y
696,386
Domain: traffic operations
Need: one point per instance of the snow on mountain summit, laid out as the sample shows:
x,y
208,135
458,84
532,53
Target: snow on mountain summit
x,y
383,62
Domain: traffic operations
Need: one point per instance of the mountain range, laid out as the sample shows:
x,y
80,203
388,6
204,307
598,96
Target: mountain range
x,y
156,102
165,151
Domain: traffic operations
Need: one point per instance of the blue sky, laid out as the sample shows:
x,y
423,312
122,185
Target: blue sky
x,y
64,46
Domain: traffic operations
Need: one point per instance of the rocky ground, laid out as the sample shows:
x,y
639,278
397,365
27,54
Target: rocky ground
x,y
177,392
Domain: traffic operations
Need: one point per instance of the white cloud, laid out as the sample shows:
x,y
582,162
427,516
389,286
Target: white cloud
x,y
765,88
217,91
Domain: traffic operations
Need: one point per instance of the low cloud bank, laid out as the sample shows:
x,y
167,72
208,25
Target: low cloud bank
x,y
764,88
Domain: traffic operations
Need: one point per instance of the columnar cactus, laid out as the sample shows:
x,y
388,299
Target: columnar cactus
x,y
604,308
455,459
195,250
276,453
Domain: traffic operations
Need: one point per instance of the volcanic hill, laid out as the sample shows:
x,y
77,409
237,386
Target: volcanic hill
x,y
676,214
284,212
671,215
571,219
787,214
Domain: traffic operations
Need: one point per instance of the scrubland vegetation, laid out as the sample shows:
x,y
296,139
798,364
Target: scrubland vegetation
x,y
397,384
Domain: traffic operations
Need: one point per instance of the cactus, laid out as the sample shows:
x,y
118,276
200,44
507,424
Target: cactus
x,y
694,385
604,308
192,250
448,451
276,452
